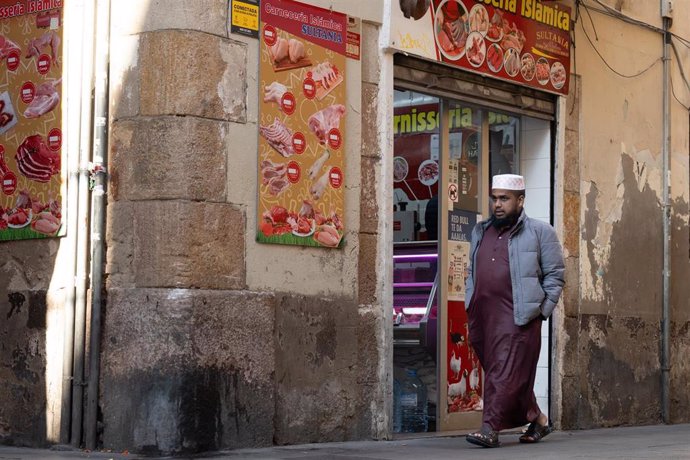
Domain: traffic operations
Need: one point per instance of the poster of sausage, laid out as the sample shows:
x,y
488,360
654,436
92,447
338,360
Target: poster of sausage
x,y
30,119
302,110
522,41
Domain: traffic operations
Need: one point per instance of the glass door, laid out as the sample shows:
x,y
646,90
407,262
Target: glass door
x,y
445,152
479,144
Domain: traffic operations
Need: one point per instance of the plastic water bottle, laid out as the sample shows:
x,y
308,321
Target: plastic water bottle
x,y
397,409
413,404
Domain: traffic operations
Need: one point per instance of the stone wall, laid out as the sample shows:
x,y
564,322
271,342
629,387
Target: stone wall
x,y
28,305
611,337
210,340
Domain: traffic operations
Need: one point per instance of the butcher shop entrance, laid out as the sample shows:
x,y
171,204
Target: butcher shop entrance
x,y
453,131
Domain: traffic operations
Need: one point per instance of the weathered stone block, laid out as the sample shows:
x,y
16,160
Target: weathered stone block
x,y
571,167
571,351
367,274
120,250
23,367
124,77
129,17
370,123
316,370
571,224
188,245
368,202
371,67
193,73
570,412
571,290
187,370
168,157
29,264
241,145
573,107
372,358
680,371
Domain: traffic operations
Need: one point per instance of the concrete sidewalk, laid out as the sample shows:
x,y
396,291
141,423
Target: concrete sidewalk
x,y
650,442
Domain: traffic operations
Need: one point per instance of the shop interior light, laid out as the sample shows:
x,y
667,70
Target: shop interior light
x,y
414,256
413,285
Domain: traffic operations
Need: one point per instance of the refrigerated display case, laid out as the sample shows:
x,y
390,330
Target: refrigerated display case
x,y
415,283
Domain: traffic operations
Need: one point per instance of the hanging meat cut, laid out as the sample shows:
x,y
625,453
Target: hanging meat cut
x,y
36,161
46,223
319,187
295,50
324,120
45,99
47,39
280,50
6,47
279,137
325,74
275,176
318,164
274,93
292,50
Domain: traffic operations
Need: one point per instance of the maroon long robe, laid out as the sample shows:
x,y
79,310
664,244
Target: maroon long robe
x,y
508,353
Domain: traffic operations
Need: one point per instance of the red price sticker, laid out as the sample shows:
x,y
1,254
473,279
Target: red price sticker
x,y
270,35
13,60
334,138
299,142
55,139
288,103
293,172
9,183
309,88
43,64
27,92
335,176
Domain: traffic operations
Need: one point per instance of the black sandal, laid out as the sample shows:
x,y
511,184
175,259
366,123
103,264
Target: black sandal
x,y
535,432
489,439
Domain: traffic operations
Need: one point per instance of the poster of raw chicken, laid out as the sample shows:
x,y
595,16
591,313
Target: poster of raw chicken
x,y
30,119
302,109
522,41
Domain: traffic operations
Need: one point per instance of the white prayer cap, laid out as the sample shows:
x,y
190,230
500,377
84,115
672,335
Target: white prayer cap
x,y
508,182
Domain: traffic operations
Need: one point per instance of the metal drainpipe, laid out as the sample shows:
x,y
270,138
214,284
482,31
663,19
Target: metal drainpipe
x,y
77,57
81,230
75,14
100,143
666,181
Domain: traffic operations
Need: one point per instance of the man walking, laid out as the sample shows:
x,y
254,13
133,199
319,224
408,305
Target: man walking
x,y
516,277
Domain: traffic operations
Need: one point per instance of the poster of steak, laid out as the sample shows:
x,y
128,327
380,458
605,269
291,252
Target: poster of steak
x,y
302,110
522,41
30,119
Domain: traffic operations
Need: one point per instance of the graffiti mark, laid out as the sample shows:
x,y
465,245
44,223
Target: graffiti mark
x,y
16,300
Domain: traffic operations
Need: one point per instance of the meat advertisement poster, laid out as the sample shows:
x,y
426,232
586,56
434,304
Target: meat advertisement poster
x,y
30,119
522,41
464,371
415,166
302,109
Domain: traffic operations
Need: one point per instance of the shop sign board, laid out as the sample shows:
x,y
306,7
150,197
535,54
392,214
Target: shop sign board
x,y
464,373
522,41
302,135
31,119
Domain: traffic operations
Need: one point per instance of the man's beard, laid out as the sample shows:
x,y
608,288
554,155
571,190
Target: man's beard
x,y
507,221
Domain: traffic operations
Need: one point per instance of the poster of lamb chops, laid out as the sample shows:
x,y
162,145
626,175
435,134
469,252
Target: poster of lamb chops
x,y
302,112
31,162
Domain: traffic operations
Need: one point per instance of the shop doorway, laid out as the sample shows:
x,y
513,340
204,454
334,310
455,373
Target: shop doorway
x,y
445,152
